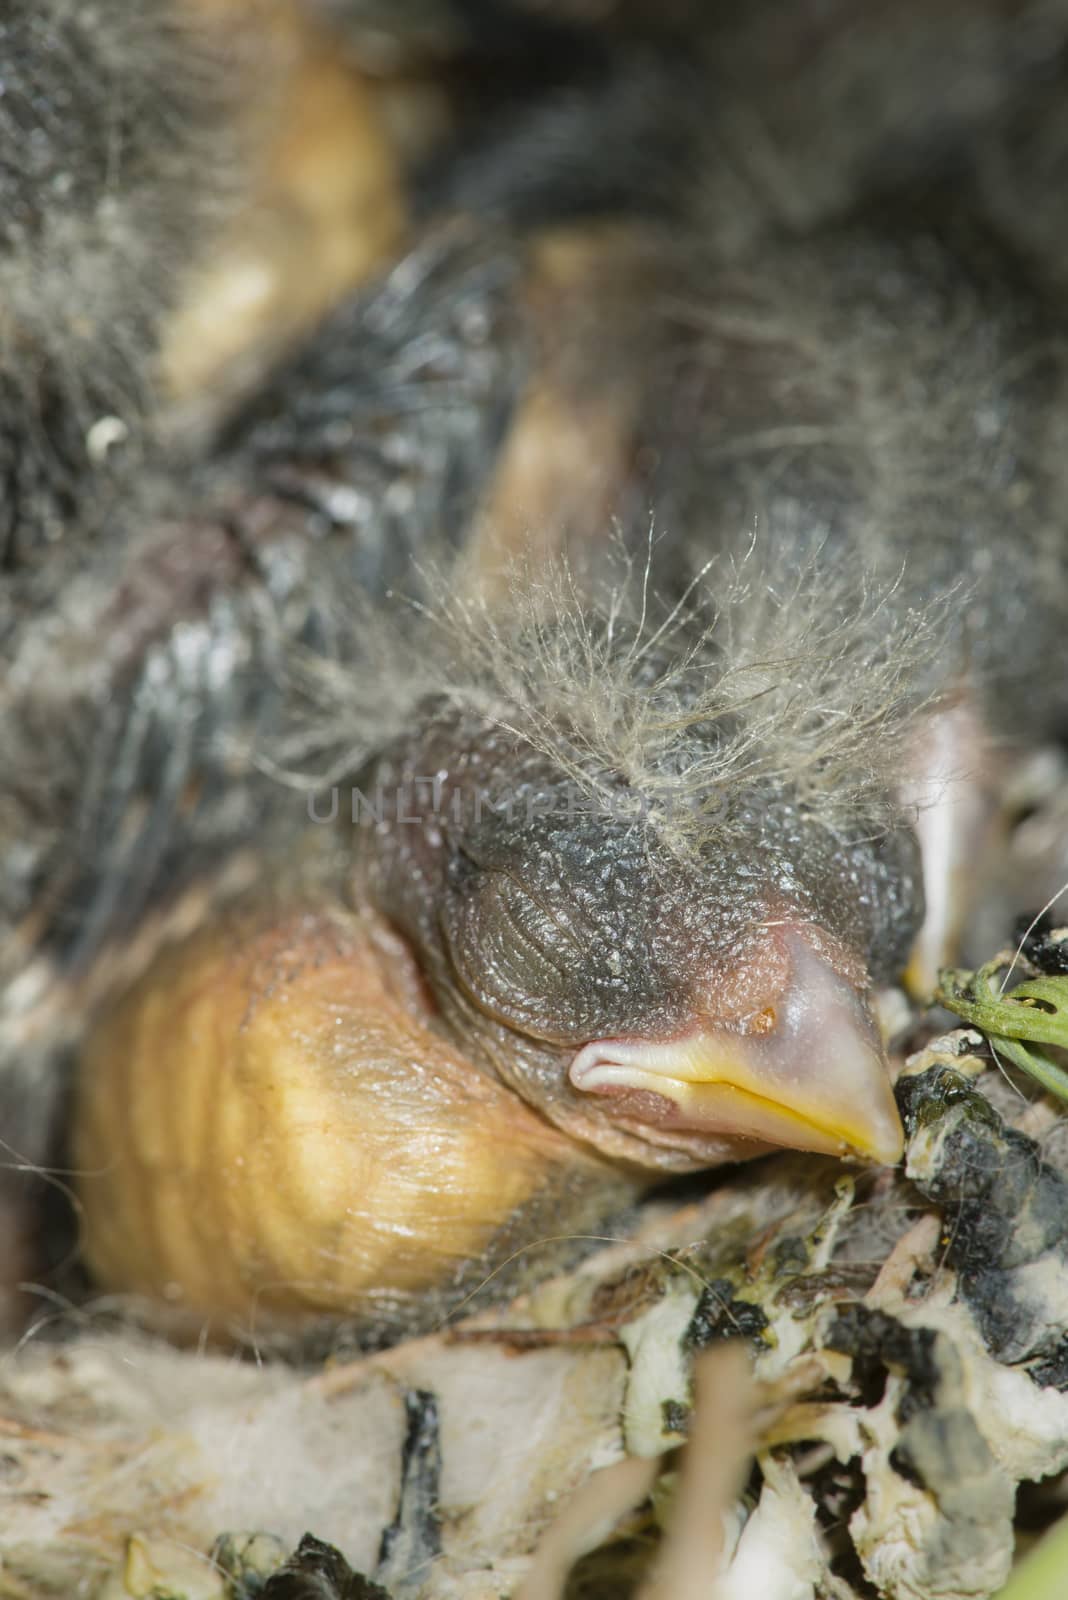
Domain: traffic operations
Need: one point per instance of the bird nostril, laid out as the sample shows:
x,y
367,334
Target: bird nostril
x,y
762,1022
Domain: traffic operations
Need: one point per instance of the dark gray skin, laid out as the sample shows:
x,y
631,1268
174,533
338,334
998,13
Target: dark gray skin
x,y
538,931
887,405
104,115
885,400
751,117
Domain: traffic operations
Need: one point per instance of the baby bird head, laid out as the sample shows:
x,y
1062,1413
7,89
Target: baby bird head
x,y
655,903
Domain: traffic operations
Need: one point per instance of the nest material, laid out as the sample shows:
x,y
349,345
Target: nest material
x,y
909,1342
908,1335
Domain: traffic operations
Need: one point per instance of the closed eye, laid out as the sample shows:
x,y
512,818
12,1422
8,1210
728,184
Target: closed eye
x,y
518,969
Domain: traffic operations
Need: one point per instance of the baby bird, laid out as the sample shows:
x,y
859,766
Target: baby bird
x,y
103,116
633,844
569,932
105,112
548,878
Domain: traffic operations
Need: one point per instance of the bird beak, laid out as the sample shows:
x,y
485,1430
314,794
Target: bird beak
x,y
808,1072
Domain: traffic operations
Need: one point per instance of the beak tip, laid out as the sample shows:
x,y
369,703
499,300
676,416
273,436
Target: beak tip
x,y
887,1151
879,1137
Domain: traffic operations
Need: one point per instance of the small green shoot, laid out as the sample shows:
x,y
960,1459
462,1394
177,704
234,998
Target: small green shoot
x,y
1043,1574
1016,1021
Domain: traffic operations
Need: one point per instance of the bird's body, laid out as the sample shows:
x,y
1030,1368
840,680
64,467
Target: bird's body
x,y
540,672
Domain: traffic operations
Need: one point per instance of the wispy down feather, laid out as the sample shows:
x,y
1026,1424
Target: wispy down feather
x,y
752,678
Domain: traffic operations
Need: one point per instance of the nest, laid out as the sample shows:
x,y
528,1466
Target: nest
x,y
902,1397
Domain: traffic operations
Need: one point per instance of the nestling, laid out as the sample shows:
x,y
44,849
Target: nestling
x,y
626,818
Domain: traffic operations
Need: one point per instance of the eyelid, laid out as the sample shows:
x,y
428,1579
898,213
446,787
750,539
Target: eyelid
x,y
523,1018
